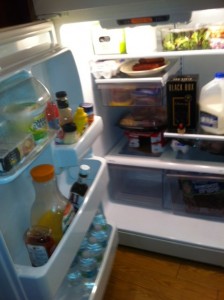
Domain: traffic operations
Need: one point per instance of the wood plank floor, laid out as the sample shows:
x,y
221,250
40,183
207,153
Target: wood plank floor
x,y
142,275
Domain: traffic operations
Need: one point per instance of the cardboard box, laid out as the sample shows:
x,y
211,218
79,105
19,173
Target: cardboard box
x,y
182,104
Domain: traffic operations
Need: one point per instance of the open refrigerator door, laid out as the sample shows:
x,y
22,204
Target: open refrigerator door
x,y
31,55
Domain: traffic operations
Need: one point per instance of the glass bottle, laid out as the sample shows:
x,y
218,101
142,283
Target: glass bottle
x,y
50,208
65,111
79,188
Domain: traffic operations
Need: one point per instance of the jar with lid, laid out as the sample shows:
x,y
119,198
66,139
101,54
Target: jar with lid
x,y
70,135
65,111
50,208
88,108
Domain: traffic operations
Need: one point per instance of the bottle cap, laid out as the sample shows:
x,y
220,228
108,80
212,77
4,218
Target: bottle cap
x,y
60,94
42,173
84,170
62,103
69,127
88,107
219,75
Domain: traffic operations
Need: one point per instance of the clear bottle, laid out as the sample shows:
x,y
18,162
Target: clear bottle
x,y
81,120
96,249
65,111
79,188
100,219
88,265
100,234
211,105
52,115
50,208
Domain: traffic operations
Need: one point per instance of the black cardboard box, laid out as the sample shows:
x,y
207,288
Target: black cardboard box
x,y
182,106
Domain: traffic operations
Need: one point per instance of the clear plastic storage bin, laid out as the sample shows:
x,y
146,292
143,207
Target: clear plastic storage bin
x,y
197,194
132,94
136,186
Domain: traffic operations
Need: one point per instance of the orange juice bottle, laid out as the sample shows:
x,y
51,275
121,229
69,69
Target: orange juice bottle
x,y
50,208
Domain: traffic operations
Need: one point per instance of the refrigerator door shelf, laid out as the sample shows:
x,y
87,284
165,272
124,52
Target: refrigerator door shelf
x,y
9,176
67,292
43,282
70,155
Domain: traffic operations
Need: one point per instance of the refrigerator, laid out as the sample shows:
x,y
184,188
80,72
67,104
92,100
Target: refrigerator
x,y
140,192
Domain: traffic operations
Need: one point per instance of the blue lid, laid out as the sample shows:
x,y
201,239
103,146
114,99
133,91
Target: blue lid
x,y
219,75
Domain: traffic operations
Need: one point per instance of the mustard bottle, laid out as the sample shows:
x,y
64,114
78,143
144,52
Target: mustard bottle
x,y
80,120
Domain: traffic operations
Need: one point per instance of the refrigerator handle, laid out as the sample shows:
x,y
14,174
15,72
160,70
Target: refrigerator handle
x,y
11,287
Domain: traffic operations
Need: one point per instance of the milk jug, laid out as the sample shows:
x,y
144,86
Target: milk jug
x,y
211,105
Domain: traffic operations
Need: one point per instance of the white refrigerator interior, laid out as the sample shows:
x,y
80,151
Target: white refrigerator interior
x,y
140,193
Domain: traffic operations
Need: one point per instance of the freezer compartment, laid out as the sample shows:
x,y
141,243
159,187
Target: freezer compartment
x,y
43,282
196,194
132,94
136,186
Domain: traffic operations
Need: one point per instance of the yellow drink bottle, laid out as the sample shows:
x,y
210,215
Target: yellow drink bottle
x,y
50,208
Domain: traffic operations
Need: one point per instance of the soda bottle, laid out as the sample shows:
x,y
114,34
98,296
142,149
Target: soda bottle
x,y
79,188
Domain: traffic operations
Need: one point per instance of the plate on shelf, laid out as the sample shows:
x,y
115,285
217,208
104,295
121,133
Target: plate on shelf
x,y
126,68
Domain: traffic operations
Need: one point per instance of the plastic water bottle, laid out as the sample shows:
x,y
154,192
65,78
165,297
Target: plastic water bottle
x,y
211,105
95,248
100,219
88,265
100,234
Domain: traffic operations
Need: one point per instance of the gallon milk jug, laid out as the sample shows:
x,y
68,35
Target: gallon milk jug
x,y
211,105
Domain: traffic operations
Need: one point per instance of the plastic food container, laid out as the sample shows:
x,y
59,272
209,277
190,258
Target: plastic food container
x,y
13,149
23,104
216,36
187,38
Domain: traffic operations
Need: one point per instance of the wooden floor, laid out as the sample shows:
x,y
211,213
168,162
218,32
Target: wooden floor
x,y
142,275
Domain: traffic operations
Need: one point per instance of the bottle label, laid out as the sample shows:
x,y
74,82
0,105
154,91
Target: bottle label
x,y
76,200
38,255
68,216
39,127
208,120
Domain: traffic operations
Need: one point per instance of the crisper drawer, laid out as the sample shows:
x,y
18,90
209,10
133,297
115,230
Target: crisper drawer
x,y
196,194
43,282
128,94
136,186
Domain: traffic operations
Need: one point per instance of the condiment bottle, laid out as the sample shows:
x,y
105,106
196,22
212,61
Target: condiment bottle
x,y
52,115
70,135
79,188
88,108
65,111
50,208
40,244
81,120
